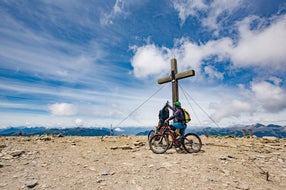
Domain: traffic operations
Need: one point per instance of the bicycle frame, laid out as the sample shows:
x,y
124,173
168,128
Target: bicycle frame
x,y
162,129
169,131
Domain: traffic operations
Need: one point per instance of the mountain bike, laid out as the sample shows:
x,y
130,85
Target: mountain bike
x,y
160,143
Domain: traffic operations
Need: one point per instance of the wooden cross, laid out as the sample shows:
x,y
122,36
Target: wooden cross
x,y
174,77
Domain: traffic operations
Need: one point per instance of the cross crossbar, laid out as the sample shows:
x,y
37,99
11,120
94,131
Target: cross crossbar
x,y
178,76
174,77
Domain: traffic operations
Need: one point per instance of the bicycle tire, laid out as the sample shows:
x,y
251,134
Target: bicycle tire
x,y
159,144
170,140
151,134
192,143
171,143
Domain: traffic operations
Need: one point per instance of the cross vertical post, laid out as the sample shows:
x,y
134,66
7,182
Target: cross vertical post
x,y
174,77
175,89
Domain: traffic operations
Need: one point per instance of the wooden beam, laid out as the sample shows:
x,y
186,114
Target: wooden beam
x,y
185,74
178,76
164,80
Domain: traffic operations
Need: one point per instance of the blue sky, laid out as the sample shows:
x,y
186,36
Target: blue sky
x,y
93,63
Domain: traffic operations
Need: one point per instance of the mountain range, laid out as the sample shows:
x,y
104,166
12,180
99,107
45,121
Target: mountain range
x,y
259,130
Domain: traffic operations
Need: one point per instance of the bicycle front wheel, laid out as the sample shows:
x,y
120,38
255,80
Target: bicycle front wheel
x,y
192,143
159,144
151,134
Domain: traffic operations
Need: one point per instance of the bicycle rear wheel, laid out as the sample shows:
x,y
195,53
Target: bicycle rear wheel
x,y
159,144
192,143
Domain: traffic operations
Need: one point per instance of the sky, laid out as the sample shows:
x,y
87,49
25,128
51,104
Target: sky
x,y
93,63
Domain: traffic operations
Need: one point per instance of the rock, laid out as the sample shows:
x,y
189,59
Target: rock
x,y
99,181
92,168
229,156
1,165
271,138
226,172
139,143
7,157
126,147
222,158
279,160
45,138
243,187
17,153
104,172
32,183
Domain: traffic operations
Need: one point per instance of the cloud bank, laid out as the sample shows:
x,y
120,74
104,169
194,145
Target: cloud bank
x,y
62,109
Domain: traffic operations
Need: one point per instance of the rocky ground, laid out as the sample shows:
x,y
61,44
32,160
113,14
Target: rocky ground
x,y
126,162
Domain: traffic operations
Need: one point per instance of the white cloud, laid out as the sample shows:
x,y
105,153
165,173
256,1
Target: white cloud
x,y
188,8
216,9
262,98
118,129
150,60
213,73
118,9
79,122
261,47
271,96
192,55
207,12
277,81
230,108
62,109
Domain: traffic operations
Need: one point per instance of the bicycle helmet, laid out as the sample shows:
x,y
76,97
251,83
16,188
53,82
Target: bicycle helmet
x,y
177,104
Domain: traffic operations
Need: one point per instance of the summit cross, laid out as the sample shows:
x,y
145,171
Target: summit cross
x,y
174,77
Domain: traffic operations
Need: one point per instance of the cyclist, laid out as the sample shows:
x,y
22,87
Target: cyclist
x,y
163,115
178,117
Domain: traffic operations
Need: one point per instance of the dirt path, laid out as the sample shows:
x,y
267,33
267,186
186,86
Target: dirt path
x,y
126,162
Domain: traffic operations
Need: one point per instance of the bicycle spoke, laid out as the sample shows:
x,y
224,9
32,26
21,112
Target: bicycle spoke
x,y
159,144
192,143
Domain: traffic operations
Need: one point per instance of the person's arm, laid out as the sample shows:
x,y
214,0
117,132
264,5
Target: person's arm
x,y
176,115
170,118
171,107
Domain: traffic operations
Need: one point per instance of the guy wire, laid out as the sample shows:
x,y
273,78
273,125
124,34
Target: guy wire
x,y
200,107
139,106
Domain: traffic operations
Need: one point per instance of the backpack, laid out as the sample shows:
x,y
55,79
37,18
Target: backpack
x,y
187,116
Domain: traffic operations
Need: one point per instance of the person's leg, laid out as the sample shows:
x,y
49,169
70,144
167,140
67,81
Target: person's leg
x,y
181,127
178,135
173,127
182,131
178,127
